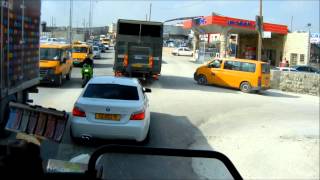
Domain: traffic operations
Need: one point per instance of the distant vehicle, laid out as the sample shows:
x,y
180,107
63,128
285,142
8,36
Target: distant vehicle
x,y
285,69
111,108
303,68
243,74
79,52
55,63
52,40
102,47
96,52
182,51
138,50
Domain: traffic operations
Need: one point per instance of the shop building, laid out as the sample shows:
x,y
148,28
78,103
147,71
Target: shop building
x,y
239,38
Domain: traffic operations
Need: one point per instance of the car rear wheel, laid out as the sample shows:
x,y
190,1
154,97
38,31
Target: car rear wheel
x,y
245,87
68,76
59,80
202,79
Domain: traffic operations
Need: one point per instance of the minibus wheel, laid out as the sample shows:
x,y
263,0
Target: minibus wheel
x,y
245,87
202,79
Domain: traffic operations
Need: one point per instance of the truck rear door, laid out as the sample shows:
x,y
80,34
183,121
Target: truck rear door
x,y
139,55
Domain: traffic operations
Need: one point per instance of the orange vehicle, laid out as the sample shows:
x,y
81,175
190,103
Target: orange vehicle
x,y
79,52
243,74
55,63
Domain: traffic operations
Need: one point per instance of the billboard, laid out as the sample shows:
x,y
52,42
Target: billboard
x,y
315,38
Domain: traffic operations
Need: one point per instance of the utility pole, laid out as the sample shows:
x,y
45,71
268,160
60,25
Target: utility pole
x,y
291,24
70,22
146,17
260,32
90,17
150,9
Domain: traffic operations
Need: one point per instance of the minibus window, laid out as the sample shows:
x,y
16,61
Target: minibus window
x,y
265,68
248,67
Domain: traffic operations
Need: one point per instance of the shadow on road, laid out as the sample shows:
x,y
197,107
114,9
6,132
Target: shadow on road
x,y
277,94
185,83
166,131
96,66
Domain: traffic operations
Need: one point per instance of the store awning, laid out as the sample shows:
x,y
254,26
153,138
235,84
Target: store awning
x,y
216,24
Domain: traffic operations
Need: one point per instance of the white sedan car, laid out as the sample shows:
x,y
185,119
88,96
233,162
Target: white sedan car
x,y
182,51
111,108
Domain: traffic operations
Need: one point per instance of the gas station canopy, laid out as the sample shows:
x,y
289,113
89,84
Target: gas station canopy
x,y
217,24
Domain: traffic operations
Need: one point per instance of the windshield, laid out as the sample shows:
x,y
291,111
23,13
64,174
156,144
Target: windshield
x,y
80,49
240,77
50,54
111,91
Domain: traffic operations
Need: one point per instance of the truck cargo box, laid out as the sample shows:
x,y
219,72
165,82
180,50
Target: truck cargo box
x,y
19,65
138,47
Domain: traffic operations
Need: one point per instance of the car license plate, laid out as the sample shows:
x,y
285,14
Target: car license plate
x,y
113,117
137,65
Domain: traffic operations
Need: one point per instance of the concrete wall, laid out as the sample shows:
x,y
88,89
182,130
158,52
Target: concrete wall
x,y
297,43
298,82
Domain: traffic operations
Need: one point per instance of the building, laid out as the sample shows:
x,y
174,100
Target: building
x,y
297,48
239,38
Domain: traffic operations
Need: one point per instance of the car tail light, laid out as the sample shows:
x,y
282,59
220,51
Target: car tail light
x,y
78,112
125,60
151,61
259,81
138,116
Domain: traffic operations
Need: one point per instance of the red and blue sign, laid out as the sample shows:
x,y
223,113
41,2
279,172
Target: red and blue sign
x,y
240,23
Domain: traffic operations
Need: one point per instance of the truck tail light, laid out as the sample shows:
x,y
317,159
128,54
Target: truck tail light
x,y
138,115
151,61
78,112
125,60
259,81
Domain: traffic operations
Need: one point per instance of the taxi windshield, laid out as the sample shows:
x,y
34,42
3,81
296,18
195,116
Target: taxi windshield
x,y
50,54
80,49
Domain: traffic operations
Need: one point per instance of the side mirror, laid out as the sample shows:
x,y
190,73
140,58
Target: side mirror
x,y
146,90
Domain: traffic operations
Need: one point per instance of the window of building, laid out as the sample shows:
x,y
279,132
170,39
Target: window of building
x,y
301,57
293,58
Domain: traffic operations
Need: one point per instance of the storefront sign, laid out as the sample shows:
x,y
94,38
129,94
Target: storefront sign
x,y
266,34
315,38
240,23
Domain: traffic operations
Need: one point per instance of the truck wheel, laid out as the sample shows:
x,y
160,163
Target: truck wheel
x,y
245,87
59,80
68,76
202,80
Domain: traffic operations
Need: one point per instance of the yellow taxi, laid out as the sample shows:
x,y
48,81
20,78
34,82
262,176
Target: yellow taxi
x,y
79,52
55,63
246,75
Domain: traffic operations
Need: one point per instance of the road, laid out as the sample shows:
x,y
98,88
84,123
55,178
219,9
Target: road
x,y
268,135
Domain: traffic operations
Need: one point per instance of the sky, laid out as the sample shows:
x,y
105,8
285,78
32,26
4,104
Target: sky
x,y
106,12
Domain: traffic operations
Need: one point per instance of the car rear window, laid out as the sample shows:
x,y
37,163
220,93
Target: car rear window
x,y
111,91
265,68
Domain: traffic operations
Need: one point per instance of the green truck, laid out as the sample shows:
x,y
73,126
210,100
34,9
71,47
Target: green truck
x,y
138,48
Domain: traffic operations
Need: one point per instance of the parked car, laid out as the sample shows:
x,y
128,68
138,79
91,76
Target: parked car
x,y
285,69
182,51
96,52
303,68
243,74
111,108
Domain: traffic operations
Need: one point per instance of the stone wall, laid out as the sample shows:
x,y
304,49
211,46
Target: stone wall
x,y
298,82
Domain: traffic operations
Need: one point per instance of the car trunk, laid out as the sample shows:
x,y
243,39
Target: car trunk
x,y
94,106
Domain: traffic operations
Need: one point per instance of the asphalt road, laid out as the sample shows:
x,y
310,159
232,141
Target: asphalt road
x,y
268,135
